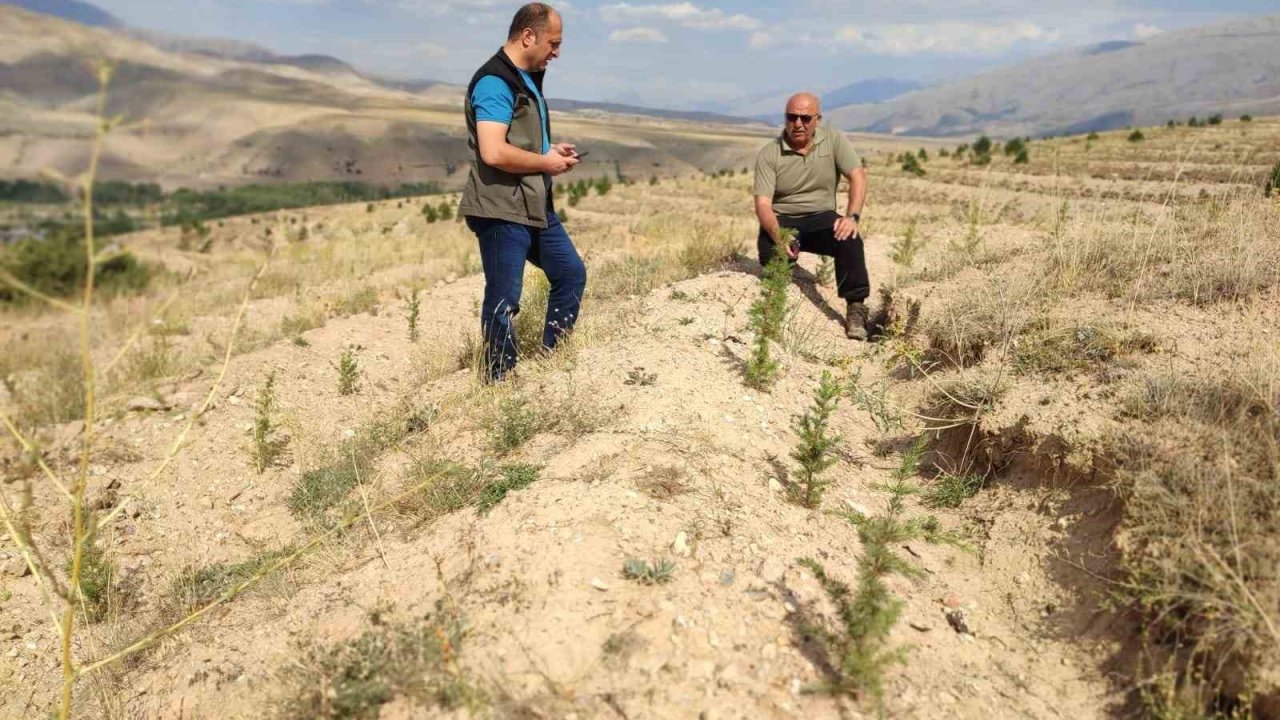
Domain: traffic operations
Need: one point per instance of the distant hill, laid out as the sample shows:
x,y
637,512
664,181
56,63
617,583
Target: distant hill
x,y
73,10
1232,68
209,112
867,91
624,109
768,106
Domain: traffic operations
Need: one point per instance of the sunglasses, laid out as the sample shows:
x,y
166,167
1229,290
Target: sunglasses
x,y
806,119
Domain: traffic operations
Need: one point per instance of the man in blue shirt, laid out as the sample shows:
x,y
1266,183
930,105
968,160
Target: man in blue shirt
x,y
507,200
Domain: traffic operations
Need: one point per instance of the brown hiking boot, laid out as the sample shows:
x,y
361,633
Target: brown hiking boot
x,y
855,321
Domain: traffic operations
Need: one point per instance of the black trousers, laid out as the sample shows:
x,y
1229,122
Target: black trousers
x,y
817,235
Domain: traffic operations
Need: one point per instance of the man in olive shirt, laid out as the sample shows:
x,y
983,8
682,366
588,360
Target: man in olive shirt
x,y
795,187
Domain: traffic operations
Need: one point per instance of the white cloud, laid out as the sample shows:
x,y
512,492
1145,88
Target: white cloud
x,y
637,35
1143,31
760,40
943,38
685,14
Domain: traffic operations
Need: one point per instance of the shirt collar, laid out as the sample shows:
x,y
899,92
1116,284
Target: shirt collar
x,y
818,137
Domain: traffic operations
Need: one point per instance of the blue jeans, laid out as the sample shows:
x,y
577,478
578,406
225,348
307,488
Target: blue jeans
x,y
504,248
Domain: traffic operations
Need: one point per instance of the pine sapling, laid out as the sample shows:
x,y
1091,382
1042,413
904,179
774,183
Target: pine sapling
x,y
858,648
348,372
264,449
907,247
1273,181
813,451
767,314
415,306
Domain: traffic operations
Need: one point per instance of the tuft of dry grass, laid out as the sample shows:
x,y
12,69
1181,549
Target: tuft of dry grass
x,y
1201,479
353,679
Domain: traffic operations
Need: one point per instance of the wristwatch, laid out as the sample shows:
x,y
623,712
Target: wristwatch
x,y
856,217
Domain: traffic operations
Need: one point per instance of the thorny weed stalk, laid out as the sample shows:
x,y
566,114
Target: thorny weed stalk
x,y
415,307
63,597
813,451
348,372
874,402
768,313
858,647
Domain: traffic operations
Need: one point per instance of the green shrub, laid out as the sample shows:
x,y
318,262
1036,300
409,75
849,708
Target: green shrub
x,y
1246,118
1273,181
1022,158
32,192
1136,136
982,146
1215,119
1091,136
910,164
510,478
57,266
416,663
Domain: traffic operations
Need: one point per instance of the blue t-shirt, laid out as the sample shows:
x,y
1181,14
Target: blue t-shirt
x,y
493,101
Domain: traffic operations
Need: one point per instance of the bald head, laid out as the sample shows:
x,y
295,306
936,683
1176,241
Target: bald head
x,y
804,103
803,115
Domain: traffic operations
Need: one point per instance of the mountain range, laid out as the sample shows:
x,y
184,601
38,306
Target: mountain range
x,y
1231,68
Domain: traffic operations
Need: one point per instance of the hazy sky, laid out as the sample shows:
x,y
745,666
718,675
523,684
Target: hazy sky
x,y
687,54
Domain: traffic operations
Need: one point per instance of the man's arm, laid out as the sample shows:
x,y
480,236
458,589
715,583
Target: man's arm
x,y
496,152
769,223
846,227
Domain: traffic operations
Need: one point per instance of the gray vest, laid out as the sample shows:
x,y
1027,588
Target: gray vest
x,y
494,193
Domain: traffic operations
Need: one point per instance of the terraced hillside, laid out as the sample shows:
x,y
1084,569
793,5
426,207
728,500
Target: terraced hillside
x,y
1052,491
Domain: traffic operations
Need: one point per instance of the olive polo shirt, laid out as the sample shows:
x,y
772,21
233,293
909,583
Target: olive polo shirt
x,y
804,184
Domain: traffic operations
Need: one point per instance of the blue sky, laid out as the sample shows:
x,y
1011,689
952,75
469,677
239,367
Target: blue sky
x,y
705,54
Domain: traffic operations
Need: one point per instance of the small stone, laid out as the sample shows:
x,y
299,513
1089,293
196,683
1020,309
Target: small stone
x,y
16,567
148,404
920,627
681,545
855,507
727,577
959,621
599,584
772,570
775,486
952,601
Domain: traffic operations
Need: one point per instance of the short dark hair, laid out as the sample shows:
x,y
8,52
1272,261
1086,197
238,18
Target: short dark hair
x,y
536,16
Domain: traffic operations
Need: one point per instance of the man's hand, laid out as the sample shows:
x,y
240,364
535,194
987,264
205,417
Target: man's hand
x,y
792,251
566,149
558,161
845,228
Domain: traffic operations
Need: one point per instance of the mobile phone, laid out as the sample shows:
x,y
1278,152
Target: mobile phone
x,y
582,154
